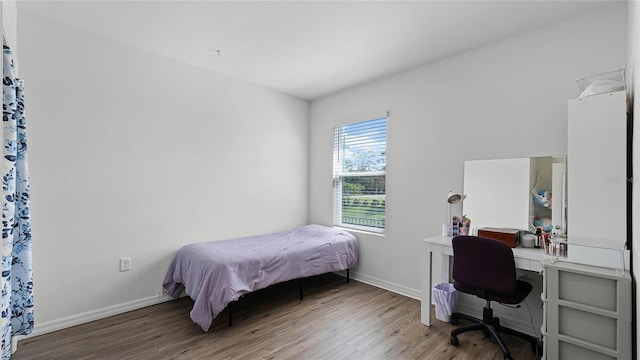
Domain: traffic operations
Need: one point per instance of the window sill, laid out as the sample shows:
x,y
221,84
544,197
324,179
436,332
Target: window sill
x,y
360,231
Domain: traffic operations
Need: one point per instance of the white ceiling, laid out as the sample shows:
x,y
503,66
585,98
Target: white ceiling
x,y
307,49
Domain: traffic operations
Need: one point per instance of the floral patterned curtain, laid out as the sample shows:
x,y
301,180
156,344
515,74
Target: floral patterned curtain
x,y
16,280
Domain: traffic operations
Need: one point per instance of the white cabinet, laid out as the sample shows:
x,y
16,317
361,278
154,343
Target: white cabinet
x,y
587,312
597,168
587,308
497,193
500,191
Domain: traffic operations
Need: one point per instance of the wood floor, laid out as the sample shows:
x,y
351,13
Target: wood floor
x,y
336,320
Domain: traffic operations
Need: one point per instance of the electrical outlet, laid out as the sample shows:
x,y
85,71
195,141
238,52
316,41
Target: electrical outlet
x,y
125,264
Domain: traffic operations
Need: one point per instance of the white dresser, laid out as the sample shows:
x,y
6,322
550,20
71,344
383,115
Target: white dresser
x,y
587,312
587,297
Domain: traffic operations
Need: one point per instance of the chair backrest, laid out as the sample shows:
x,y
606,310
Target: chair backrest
x,y
484,263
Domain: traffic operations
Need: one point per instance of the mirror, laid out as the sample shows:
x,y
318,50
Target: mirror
x,y
517,193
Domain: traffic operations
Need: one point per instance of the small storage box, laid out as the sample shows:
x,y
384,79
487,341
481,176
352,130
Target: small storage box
x,y
510,237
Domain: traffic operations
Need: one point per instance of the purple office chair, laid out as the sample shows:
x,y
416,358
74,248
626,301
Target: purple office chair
x,y
486,268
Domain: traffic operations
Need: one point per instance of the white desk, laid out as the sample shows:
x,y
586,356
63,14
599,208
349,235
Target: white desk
x,y
525,258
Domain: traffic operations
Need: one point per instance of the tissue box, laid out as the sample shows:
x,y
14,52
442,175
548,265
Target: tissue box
x,y
510,237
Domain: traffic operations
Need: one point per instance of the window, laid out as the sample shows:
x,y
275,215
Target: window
x,y
359,174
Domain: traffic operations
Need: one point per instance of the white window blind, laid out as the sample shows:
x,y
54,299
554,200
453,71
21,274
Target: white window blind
x,y
359,174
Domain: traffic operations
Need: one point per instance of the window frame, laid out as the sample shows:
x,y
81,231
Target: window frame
x,y
338,174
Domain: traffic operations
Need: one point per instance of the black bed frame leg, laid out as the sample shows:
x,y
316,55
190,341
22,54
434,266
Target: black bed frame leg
x,y
347,276
301,289
230,307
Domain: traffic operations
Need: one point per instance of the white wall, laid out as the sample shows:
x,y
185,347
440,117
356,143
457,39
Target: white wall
x,y
508,99
10,28
134,155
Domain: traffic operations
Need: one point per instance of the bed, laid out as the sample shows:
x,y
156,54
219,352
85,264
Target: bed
x,y
216,273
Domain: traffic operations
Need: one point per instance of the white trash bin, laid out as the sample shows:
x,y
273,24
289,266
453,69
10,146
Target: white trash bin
x,y
446,297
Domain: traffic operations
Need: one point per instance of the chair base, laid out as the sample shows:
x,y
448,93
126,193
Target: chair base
x,y
491,327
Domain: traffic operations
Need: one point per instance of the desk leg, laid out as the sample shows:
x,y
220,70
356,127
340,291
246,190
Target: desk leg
x,y
427,280
444,268
425,303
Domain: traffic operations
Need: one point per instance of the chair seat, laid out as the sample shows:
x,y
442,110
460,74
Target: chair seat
x,y
517,296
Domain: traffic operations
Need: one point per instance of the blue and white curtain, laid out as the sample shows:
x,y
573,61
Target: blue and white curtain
x,y
16,280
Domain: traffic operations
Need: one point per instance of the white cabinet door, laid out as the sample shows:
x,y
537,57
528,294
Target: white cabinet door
x,y
497,193
596,167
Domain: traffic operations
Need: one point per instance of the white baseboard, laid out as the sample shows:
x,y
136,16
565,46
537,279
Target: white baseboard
x,y
389,286
73,320
63,323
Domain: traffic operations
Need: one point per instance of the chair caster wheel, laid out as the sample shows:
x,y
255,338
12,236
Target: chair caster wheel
x,y
454,340
454,322
508,357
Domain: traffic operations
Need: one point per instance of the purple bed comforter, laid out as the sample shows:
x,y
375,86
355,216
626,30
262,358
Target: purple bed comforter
x,y
215,273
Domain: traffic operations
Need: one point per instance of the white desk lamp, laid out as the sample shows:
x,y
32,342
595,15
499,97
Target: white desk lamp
x,y
452,198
